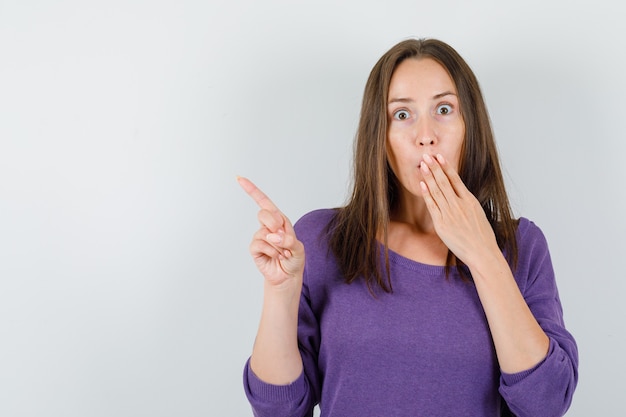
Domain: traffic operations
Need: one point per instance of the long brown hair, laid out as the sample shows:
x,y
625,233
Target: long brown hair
x,y
356,227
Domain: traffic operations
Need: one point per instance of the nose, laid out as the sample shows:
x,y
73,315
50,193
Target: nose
x,y
425,134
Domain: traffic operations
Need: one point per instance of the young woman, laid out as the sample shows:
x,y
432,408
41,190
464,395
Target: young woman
x,y
423,296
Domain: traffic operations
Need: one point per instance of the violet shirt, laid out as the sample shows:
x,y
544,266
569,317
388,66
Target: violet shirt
x,y
423,350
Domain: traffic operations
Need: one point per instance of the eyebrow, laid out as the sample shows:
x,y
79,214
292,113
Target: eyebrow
x,y
410,100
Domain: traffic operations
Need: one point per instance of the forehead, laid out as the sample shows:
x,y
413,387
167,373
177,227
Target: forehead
x,y
420,76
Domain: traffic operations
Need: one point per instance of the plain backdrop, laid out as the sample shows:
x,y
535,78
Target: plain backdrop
x,y
126,287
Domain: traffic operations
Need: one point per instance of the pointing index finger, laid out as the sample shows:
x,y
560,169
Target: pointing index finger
x,y
257,195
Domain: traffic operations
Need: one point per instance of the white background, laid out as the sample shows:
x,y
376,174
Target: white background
x,y
126,288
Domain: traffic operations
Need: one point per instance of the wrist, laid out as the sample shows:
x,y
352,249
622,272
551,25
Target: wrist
x,y
488,261
285,292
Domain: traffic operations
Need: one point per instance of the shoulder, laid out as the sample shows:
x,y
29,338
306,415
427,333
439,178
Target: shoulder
x,y
314,224
313,231
533,261
530,236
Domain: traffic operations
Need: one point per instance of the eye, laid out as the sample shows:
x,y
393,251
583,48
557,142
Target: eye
x,y
444,109
401,115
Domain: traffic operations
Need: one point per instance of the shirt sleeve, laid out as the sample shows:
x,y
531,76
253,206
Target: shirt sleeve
x,y
269,400
548,387
298,398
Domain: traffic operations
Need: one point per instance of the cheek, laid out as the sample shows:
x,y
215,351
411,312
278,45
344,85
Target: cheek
x,y
397,155
455,158
391,160
391,152
455,150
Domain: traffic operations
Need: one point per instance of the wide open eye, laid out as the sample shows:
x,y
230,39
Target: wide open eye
x,y
401,115
444,109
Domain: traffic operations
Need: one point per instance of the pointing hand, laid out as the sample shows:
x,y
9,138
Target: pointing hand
x,y
277,252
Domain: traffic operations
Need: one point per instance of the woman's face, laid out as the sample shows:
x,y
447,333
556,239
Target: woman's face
x,y
424,118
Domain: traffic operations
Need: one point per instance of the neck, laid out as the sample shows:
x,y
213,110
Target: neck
x,y
412,233
413,212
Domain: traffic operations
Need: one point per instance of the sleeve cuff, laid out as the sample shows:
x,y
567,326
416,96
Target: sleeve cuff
x,y
273,393
512,379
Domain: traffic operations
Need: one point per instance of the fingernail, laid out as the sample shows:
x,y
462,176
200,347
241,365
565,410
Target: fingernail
x,y
274,238
428,159
440,158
